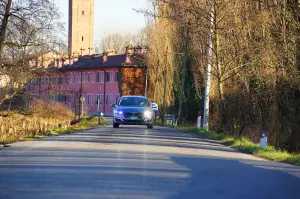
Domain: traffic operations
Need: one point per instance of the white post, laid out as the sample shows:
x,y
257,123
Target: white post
x,y
263,141
81,108
208,70
199,122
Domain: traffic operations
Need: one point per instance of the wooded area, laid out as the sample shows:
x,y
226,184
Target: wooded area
x,y
255,60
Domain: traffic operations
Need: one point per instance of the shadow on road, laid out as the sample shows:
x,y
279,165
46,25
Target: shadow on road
x,y
159,136
92,164
115,174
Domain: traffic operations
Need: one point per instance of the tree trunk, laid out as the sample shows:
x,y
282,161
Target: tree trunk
x,y
219,73
4,24
185,59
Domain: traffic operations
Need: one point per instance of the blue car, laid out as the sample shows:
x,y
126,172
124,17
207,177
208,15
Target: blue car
x,y
133,110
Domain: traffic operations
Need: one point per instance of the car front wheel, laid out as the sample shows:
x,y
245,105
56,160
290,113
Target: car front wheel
x,y
150,126
116,125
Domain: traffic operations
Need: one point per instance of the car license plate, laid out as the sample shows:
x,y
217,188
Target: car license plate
x,y
133,118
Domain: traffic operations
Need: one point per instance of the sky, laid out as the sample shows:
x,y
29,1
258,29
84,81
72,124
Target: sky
x,y
111,16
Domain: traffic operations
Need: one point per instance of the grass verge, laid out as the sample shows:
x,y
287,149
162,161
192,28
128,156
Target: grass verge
x,y
83,124
245,145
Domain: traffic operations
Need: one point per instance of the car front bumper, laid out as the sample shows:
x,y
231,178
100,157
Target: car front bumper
x,y
133,122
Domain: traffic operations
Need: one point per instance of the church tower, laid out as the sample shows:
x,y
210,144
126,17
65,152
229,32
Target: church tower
x,y
81,27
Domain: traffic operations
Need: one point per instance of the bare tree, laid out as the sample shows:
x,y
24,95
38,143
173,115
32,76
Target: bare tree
x,y
29,30
119,41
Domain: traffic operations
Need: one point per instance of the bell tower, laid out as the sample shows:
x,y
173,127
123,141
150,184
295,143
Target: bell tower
x,y
81,27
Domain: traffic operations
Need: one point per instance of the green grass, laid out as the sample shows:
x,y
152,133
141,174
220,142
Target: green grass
x,y
245,145
85,123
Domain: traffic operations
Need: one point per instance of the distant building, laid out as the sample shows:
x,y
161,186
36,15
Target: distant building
x,y
101,80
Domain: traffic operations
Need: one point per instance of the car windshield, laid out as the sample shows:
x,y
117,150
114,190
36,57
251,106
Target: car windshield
x,y
134,101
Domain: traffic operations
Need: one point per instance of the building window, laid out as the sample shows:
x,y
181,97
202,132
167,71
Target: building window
x,y
107,76
83,75
70,99
106,99
66,78
89,77
82,38
98,77
60,80
83,12
111,76
92,99
102,76
88,99
117,98
116,76
101,99
97,99
79,77
74,78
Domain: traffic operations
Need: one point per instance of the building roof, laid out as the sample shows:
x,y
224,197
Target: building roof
x,y
94,61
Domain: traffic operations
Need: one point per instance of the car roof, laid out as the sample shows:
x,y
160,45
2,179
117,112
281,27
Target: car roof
x,y
134,96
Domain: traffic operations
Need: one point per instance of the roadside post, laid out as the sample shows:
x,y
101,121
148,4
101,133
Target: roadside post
x,y
98,110
199,122
263,141
82,99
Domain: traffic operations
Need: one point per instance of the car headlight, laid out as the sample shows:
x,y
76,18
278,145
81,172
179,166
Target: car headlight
x,y
147,114
118,112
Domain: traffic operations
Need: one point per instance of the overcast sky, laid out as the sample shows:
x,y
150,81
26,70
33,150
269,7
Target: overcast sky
x,y
111,16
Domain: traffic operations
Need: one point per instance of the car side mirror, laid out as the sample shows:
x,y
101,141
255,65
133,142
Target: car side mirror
x,y
113,105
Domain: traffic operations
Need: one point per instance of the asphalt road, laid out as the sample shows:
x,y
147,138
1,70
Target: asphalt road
x,y
136,163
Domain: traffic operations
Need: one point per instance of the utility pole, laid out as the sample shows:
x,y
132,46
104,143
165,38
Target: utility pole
x,y
208,69
185,58
146,80
165,86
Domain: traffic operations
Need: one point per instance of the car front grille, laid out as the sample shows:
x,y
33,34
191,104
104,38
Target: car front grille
x,y
130,114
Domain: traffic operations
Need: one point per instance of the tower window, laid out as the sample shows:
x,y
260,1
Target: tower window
x,y
83,12
82,39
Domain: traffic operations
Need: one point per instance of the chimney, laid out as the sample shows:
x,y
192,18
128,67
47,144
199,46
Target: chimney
x,y
128,60
104,55
129,49
59,63
63,62
55,62
71,60
138,50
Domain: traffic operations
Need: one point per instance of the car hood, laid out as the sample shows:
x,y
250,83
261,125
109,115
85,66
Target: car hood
x,y
132,109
